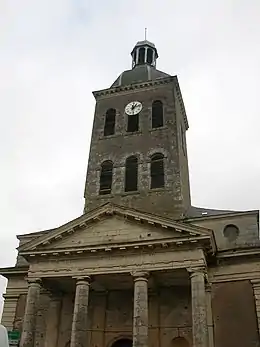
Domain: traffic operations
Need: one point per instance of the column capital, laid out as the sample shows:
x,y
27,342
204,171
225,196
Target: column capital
x,y
34,281
82,280
140,275
208,287
194,271
256,282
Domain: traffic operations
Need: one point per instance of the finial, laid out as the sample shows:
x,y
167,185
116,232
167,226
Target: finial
x,y
145,33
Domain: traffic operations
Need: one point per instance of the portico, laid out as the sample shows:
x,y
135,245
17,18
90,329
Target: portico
x,y
143,285
158,255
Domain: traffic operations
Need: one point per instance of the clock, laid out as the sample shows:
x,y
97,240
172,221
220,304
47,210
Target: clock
x,y
134,107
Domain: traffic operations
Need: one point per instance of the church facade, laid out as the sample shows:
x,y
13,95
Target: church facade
x,y
141,266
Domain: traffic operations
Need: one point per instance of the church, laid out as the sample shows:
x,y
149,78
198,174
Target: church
x,y
141,266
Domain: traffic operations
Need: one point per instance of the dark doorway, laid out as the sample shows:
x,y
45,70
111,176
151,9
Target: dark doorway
x,y
122,343
180,342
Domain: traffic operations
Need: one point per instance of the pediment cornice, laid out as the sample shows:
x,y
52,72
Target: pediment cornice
x,y
188,233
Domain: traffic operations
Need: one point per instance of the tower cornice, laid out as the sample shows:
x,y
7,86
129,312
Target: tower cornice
x,y
131,87
136,87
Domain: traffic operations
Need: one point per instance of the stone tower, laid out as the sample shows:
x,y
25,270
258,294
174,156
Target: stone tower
x,y
138,155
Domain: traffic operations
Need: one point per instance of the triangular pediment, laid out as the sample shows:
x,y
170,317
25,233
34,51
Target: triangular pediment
x,y
113,226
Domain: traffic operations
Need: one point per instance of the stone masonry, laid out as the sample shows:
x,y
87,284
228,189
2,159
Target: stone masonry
x,y
30,315
80,315
139,268
174,199
140,322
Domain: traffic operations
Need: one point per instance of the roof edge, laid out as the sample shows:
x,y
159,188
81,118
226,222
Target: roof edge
x,y
131,87
224,214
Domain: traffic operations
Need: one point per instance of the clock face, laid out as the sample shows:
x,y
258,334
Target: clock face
x,y
133,108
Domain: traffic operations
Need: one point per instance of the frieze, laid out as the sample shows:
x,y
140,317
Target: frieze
x,y
148,265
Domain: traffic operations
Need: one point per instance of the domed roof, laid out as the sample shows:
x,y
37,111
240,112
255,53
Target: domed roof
x,y
139,74
144,56
145,43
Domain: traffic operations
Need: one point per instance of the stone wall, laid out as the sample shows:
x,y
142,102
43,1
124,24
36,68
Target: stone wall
x,y
19,312
246,223
14,302
234,315
8,315
142,143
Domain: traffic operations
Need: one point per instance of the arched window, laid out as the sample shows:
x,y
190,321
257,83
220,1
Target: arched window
x,y
231,232
106,176
131,174
149,56
133,123
157,171
157,114
141,55
110,121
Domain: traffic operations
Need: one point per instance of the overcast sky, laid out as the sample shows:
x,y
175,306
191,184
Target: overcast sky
x,y
54,53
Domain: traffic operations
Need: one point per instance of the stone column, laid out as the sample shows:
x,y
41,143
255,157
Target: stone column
x,y
199,307
80,314
30,316
140,316
53,321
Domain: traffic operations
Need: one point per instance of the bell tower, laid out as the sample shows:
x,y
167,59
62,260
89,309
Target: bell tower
x,y
138,155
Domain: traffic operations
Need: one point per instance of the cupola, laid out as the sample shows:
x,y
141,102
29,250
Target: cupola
x,y
144,52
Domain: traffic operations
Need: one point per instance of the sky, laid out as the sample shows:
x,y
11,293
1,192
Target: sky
x,y
54,53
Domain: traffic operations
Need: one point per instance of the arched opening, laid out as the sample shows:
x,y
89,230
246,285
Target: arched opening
x,y
231,232
157,114
149,56
157,171
131,174
106,176
141,56
180,342
110,121
133,123
123,343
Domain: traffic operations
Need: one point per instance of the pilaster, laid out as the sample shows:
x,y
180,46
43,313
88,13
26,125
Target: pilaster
x,y
8,316
154,324
210,324
53,321
256,288
99,301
